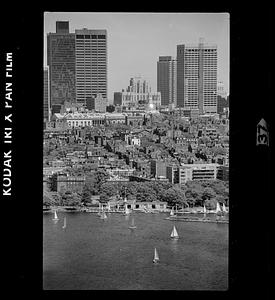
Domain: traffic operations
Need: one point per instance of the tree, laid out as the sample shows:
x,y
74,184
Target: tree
x,y
208,193
210,204
95,180
110,108
70,199
86,195
108,188
175,196
47,201
104,198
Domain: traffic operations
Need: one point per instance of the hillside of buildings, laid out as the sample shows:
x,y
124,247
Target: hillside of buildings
x,y
164,157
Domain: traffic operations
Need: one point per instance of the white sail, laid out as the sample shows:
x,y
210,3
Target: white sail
x,y
172,212
65,224
218,208
223,207
55,216
156,256
127,211
174,233
204,209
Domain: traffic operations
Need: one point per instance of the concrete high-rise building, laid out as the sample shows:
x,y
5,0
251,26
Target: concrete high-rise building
x,y
158,168
221,89
138,85
197,77
61,62
97,104
167,79
91,64
46,95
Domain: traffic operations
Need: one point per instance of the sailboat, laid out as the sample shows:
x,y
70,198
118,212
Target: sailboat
x,y
204,209
218,208
65,224
103,216
127,211
223,208
55,216
133,226
174,233
172,212
156,256
100,212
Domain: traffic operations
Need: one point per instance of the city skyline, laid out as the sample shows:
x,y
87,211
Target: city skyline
x,y
127,44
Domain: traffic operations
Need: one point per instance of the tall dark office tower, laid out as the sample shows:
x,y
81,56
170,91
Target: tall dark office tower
x,y
61,62
197,77
167,79
91,64
46,96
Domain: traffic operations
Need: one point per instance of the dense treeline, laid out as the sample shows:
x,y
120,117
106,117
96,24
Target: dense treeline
x,y
193,193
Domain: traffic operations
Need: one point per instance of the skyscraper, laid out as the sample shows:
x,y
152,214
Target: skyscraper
x,y
61,62
46,95
91,64
197,77
167,79
138,94
221,89
138,85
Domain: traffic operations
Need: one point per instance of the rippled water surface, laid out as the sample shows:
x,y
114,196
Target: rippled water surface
x,y
92,254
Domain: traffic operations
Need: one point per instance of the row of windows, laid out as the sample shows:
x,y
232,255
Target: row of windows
x,y
88,36
84,123
90,49
90,42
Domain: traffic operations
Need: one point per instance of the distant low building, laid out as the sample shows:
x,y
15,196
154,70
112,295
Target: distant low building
x,y
223,173
61,183
189,172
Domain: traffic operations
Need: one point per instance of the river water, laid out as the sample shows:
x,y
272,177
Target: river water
x,y
95,254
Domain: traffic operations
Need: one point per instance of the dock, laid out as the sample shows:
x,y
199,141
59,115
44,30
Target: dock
x,y
186,219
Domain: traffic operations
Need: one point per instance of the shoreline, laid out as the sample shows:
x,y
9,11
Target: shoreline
x,y
97,210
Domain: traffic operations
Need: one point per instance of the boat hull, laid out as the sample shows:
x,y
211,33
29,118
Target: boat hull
x,y
155,261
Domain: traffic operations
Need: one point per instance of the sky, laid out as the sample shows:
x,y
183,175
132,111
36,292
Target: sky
x,y
136,40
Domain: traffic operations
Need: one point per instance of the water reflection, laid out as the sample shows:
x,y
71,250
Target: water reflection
x,y
174,245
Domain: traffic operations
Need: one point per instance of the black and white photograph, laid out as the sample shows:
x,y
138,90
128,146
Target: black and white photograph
x,y
136,151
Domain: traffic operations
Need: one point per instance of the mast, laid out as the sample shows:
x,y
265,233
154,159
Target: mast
x,y
65,224
156,256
